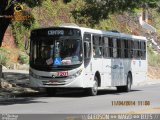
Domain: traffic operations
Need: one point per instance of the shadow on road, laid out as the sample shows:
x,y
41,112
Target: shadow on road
x,y
75,94
114,92
24,100
33,97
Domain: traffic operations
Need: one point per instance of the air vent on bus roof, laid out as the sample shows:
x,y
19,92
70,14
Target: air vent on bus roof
x,y
68,24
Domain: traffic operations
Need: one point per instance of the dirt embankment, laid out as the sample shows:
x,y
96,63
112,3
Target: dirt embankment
x,y
154,73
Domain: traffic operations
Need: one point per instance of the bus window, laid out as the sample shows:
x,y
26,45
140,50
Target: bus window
x,y
136,49
131,48
119,48
87,48
96,40
143,50
130,51
105,39
114,47
110,40
122,48
97,51
126,48
87,43
105,47
97,46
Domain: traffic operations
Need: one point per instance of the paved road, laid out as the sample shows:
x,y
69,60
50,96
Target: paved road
x,y
76,102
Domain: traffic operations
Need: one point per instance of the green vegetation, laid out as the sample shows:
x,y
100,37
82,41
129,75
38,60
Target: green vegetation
x,y
153,58
96,10
23,59
3,56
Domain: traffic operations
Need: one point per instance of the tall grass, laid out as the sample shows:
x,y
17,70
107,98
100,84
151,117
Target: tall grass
x,y
153,58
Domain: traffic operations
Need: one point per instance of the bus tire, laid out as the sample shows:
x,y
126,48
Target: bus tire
x,y
129,83
51,91
93,90
126,88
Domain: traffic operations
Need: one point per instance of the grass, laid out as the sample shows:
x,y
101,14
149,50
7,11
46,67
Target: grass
x,y
153,59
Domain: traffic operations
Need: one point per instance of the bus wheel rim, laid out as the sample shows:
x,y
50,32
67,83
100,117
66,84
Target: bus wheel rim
x,y
95,87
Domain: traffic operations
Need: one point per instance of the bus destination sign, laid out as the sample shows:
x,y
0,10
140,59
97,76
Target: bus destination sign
x,y
55,32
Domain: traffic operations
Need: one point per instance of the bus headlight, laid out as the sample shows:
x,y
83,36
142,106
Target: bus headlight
x,y
77,73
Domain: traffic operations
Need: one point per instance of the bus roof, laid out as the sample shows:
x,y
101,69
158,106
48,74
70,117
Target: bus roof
x,y
107,33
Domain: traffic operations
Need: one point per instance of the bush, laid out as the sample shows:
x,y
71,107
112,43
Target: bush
x,y
24,59
3,56
153,59
3,59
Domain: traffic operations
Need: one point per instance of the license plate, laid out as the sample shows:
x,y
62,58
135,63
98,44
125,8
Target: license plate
x,y
65,73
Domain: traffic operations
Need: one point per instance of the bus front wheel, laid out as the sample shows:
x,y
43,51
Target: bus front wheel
x,y
93,90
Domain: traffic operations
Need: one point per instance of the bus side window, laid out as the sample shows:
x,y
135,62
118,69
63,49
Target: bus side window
x,y
97,46
87,43
87,48
114,47
110,41
129,48
105,47
143,50
139,49
119,50
126,48
122,48
135,49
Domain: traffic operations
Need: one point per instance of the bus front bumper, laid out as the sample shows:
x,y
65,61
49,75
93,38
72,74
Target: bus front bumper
x,y
60,83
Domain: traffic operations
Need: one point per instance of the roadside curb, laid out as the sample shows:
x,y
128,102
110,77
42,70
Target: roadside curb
x,y
148,82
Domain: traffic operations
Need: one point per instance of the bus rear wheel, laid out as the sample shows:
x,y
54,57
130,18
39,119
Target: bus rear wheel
x,y
51,91
126,88
93,90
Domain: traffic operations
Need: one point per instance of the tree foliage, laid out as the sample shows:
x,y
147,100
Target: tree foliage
x,y
32,3
96,10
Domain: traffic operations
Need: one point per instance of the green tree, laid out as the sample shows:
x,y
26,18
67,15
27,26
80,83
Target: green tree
x,y
95,10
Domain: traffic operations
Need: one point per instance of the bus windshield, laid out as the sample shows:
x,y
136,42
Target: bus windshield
x,y
56,51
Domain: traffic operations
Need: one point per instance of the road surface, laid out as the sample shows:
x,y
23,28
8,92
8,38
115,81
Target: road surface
x,y
144,99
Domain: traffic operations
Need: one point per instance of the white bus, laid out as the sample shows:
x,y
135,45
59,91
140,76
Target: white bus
x,y
77,57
